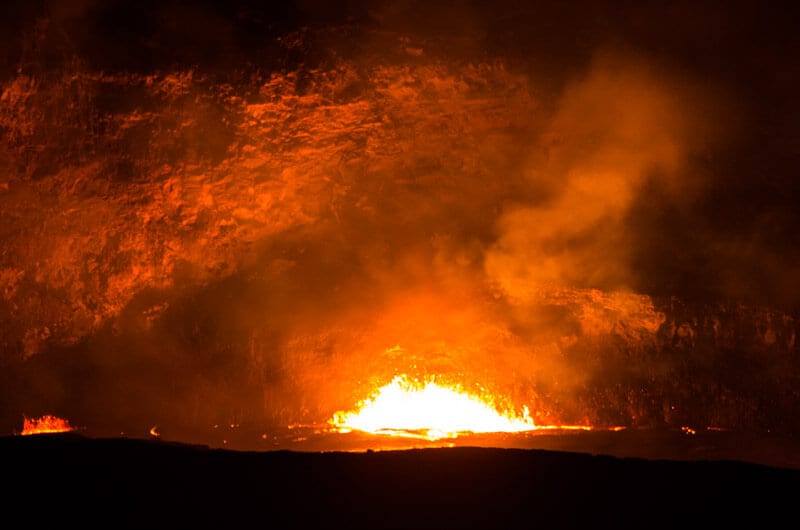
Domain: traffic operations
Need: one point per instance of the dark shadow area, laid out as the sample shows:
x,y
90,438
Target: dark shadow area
x,y
130,483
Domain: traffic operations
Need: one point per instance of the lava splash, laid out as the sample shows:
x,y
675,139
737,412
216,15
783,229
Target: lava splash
x,y
431,411
45,424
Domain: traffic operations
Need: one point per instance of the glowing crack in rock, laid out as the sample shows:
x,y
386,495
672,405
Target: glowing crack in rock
x,y
431,411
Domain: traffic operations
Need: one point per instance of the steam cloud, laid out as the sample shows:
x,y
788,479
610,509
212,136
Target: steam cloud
x,y
620,126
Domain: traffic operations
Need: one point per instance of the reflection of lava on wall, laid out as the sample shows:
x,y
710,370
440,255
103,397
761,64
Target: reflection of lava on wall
x,y
225,217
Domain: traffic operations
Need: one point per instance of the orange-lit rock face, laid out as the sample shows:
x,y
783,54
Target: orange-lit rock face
x,y
270,244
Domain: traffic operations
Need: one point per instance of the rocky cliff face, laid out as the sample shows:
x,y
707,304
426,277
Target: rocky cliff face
x,y
199,236
724,365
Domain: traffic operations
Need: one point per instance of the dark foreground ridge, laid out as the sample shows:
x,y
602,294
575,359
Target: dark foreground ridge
x,y
114,483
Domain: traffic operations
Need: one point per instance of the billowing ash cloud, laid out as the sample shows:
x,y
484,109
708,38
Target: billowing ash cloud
x,y
262,228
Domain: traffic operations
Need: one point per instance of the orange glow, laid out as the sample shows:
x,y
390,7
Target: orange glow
x,y
154,431
431,411
45,424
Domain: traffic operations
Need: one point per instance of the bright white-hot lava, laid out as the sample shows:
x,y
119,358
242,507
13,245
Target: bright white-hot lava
x,y
45,424
429,410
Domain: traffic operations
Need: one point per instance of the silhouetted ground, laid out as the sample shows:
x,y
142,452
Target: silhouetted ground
x,y
56,480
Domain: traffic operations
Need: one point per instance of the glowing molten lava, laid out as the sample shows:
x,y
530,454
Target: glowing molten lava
x,y
45,424
431,411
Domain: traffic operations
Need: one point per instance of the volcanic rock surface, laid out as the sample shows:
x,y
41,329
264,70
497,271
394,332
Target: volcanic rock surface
x,y
134,483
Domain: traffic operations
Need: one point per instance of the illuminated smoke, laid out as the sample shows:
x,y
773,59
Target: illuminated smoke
x,y
621,126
